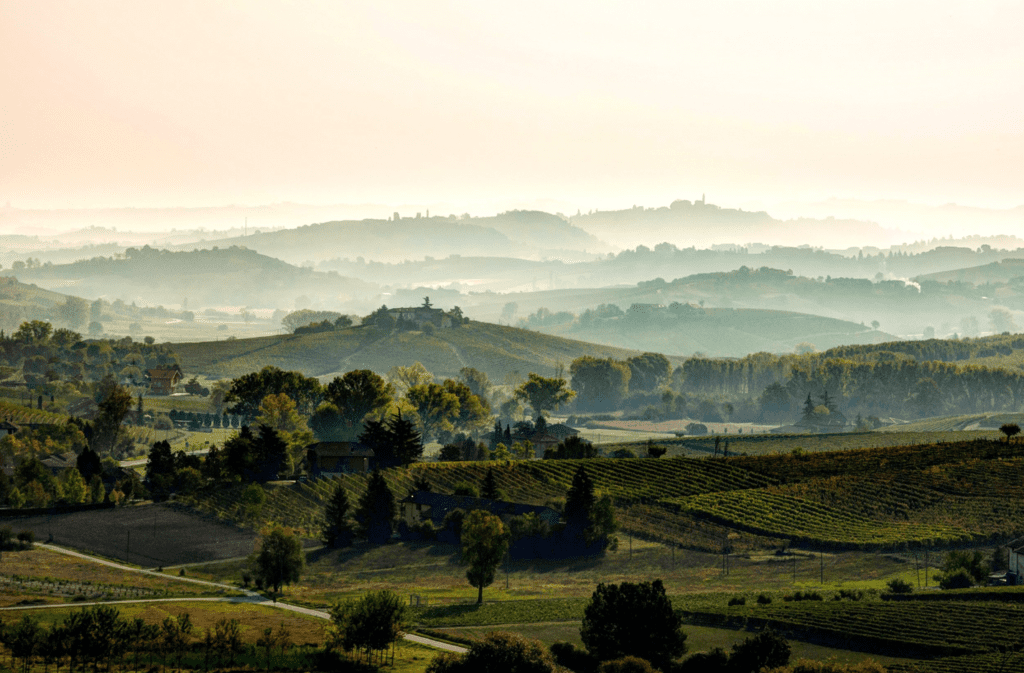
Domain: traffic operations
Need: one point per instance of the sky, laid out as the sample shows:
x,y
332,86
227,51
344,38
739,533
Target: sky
x,y
595,104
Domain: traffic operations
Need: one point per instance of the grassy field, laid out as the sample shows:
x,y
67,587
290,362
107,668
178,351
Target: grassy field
x,y
41,574
493,349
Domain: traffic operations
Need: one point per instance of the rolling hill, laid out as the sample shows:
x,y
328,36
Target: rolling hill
x,y
217,277
722,332
996,272
494,349
528,234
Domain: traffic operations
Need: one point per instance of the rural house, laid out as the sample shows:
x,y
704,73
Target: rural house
x,y
543,436
163,380
421,505
331,458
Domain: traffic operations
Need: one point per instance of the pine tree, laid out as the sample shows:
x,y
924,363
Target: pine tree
x,y
579,504
808,407
337,529
406,443
375,515
271,454
490,489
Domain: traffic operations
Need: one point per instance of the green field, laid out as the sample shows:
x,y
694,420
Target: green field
x,y
494,349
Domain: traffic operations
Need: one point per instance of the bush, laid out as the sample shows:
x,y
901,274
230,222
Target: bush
x,y
26,538
765,650
764,599
849,594
696,429
465,488
627,665
715,661
961,579
738,600
574,658
898,586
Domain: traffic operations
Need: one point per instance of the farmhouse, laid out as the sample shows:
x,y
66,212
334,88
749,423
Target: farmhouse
x,y
422,505
421,315
7,428
543,436
163,380
332,458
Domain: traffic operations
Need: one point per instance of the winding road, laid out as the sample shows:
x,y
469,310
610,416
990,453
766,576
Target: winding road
x,y
250,597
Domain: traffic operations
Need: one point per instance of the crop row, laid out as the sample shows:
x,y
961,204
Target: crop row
x,y
872,462
990,662
925,626
804,521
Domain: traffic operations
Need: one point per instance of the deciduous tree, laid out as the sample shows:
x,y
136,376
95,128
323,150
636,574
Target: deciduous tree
x,y
484,543
279,559
544,394
633,619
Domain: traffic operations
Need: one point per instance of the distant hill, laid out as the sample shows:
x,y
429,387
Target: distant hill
x,y
217,277
996,272
721,332
526,234
21,302
494,349
700,223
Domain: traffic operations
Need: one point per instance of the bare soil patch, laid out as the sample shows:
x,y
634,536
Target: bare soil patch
x,y
145,535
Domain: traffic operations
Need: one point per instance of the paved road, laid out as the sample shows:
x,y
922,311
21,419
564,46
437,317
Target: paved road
x,y
249,597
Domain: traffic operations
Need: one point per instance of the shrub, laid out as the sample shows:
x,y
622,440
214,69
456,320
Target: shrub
x,y
898,586
696,429
850,594
738,600
465,488
26,538
627,665
961,579
574,658
764,599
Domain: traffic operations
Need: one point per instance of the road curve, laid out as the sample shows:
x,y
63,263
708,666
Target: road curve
x,y
250,597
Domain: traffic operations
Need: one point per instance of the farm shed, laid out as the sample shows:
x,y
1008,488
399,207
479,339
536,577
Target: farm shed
x,y
327,458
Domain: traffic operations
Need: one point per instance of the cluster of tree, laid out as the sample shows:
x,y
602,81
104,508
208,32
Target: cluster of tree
x,y
196,420
46,355
602,384
308,321
341,410
370,625
866,381
100,635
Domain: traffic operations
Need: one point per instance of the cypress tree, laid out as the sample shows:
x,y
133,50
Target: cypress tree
x,y
490,488
376,513
337,529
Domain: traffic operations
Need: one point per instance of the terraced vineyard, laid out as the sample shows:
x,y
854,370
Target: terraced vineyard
x,y
768,444
22,415
807,522
929,629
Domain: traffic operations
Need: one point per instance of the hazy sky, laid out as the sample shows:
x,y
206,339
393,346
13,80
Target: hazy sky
x,y
598,104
